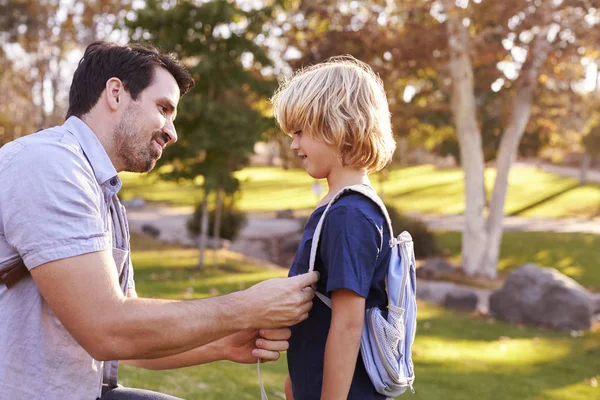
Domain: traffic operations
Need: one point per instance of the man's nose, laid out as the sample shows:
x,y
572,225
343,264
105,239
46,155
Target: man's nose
x,y
169,130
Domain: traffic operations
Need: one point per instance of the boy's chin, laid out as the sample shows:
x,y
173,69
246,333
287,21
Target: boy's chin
x,y
316,175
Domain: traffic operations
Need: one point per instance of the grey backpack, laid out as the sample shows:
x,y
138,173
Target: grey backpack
x,y
386,343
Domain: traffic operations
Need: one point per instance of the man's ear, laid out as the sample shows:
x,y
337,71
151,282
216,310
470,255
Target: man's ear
x,y
115,91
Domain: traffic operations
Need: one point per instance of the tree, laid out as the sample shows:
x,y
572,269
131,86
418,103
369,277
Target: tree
x,y
482,236
221,119
474,70
43,35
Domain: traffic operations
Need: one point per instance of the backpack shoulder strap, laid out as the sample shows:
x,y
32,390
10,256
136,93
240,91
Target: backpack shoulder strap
x,y
365,190
13,273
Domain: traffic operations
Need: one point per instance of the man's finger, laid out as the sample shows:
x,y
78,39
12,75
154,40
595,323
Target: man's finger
x,y
308,294
305,308
265,355
307,279
274,345
276,334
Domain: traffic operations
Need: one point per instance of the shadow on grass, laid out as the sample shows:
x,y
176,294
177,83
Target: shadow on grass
x,y
544,200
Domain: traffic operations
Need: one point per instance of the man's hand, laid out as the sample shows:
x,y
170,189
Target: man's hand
x,y
247,346
282,302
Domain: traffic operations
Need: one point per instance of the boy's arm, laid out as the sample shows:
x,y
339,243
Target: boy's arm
x,y
289,395
343,343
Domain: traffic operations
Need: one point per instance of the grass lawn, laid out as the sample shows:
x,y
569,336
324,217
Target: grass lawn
x,y
456,356
576,255
420,188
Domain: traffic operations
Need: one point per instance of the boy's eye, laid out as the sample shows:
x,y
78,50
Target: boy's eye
x,y
297,132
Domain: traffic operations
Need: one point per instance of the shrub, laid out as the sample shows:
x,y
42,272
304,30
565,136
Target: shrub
x,y
425,242
232,221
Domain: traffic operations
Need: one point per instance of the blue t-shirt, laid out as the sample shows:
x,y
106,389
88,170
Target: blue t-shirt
x,y
352,254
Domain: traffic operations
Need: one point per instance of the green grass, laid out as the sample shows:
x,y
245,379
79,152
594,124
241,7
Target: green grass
x,y
421,188
456,356
574,254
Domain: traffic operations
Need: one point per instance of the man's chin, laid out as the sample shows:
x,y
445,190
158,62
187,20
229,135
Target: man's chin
x,y
146,166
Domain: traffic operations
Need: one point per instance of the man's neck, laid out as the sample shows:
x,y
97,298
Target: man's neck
x,y
103,132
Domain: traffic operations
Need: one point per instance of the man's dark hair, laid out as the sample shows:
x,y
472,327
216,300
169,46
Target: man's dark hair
x,y
133,64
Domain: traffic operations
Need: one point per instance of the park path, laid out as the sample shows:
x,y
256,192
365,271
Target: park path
x,y
593,175
171,223
171,220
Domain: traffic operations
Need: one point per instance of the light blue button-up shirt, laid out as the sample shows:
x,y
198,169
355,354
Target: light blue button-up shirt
x,y
58,199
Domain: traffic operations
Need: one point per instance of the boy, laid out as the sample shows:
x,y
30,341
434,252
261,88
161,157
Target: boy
x,y
338,116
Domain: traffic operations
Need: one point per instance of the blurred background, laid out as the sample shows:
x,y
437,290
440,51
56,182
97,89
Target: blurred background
x,y
496,112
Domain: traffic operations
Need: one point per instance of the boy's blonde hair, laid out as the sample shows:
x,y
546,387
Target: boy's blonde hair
x,y
342,103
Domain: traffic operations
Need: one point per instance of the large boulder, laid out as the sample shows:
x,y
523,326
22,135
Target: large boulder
x,y
541,296
461,299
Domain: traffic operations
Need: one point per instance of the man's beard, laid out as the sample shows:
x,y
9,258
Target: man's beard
x,y
134,147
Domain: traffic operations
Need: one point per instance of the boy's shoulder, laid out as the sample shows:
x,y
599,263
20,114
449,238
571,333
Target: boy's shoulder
x,y
356,203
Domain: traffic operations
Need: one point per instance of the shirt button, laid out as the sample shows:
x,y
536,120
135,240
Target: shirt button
x,y
113,182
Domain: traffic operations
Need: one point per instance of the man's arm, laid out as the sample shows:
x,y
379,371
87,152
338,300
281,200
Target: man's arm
x,y
343,343
84,293
244,347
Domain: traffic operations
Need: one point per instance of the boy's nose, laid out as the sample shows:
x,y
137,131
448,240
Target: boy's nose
x,y
294,146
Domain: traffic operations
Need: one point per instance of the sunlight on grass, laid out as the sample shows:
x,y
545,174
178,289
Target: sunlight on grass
x,y
574,254
421,188
456,356
504,353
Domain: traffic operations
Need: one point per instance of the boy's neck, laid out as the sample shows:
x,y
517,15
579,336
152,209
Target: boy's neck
x,y
342,178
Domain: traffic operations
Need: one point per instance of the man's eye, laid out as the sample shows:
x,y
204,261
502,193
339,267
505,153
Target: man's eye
x,y
163,109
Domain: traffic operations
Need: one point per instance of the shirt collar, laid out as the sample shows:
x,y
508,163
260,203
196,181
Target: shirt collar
x,y
104,170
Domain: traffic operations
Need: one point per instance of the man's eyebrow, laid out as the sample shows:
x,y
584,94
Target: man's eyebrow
x,y
169,104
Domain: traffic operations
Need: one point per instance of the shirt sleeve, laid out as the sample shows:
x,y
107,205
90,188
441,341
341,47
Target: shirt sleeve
x,y
350,245
51,204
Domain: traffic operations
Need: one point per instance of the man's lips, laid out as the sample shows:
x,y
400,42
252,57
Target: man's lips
x,y
160,143
158,147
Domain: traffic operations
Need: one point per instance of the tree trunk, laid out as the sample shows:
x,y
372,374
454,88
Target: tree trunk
x,y
509,145
469,138
203,231
41,78
584,168
218,217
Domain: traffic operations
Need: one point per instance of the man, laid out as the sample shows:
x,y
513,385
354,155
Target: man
x,y
60,214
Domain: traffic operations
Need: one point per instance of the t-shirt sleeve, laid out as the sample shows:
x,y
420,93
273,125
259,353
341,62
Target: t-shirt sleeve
x,y
350,245
51,205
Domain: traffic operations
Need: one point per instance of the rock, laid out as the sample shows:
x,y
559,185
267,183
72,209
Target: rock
x,y
461,299
433,291
151,230
284,214
596,303
538,296
434,267
135,203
